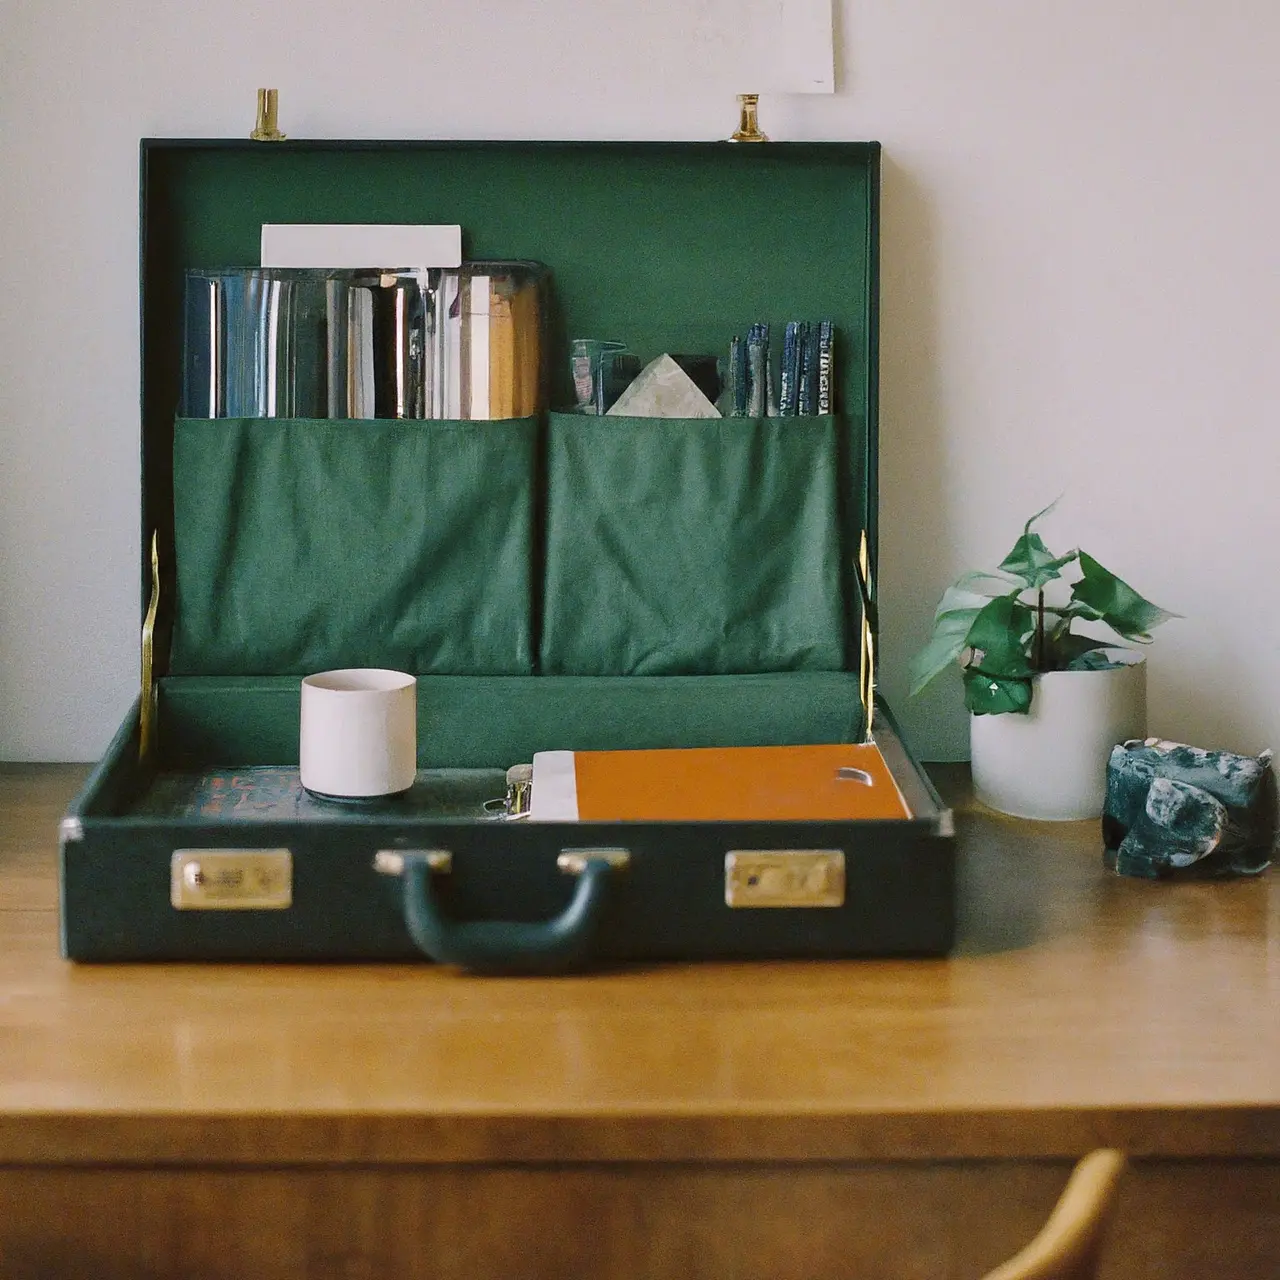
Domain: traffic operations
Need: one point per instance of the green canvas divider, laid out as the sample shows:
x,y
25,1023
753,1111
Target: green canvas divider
x,y
683,546
668,246
305,544
493,722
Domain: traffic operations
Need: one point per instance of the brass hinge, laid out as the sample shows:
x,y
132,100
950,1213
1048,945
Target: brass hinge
x,y
748,129
267,127
147,712
867,666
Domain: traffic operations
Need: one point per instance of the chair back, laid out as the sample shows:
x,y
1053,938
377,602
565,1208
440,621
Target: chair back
x,y
1069,1244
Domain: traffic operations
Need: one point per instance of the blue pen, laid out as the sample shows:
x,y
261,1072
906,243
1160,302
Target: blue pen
x,y
786,405
808,370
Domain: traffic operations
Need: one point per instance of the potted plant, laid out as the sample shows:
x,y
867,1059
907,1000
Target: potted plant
x,y
1047,702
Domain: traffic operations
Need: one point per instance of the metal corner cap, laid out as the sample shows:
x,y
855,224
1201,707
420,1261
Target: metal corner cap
x,y
70,829
945,823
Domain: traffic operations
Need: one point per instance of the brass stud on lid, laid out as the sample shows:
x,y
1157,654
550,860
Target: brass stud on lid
x,y
748,129
267,127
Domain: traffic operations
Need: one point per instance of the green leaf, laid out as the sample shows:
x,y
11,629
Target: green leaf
x,y
973,590
1093,660
950,635
987,695
1001,633
959,608
954,599
1109,599
1030,560
988,583
1067,649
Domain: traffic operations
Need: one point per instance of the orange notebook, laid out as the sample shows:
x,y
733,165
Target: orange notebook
x,y
715,784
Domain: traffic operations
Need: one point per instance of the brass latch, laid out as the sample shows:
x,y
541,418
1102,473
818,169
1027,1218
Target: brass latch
x,y
231,879
784,878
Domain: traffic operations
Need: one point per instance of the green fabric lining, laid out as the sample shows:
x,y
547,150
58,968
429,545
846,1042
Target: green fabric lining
x,y
670,246
692,546
306,544
493,722
645,241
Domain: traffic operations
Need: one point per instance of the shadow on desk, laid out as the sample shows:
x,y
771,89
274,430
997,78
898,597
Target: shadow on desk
x,y
1001,886
1019,882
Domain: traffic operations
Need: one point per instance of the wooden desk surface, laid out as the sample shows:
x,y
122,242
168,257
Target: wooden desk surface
x,y
1080,1009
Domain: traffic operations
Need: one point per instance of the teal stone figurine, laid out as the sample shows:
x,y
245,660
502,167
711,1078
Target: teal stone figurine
x,y
1179,811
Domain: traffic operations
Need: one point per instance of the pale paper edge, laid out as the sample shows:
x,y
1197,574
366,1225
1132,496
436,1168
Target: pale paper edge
x,y
353,245
554,789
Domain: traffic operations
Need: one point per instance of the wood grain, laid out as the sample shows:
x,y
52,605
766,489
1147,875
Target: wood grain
x,y
795,1122
32,799
1080,1010
620,1222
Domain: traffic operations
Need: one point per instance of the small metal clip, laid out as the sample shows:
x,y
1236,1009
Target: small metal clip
x,y
267,127
748,129
519,790
514,804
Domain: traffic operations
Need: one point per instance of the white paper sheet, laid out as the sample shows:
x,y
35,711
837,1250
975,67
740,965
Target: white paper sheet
x,y
355,245
553,794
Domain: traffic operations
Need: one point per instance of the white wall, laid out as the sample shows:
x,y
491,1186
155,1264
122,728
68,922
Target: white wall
x,y
1081,290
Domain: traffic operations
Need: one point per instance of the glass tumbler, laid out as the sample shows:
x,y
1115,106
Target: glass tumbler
x,y
591,364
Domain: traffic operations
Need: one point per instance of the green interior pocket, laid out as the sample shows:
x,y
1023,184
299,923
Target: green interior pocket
x,y
492,722
692,546
306,544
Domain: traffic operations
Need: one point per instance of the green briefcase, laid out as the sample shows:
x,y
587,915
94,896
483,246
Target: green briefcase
x,y
557,582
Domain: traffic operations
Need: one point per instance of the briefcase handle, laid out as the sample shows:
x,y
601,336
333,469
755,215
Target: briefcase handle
x,y
505,946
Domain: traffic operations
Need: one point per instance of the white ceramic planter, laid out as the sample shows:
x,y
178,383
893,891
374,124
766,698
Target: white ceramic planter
x,y
1052,762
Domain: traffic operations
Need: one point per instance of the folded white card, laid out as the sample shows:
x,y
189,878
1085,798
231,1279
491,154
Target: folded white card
x,y
662,389
355,245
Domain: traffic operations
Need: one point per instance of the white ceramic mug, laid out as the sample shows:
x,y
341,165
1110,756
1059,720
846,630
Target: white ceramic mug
x,y
359,734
